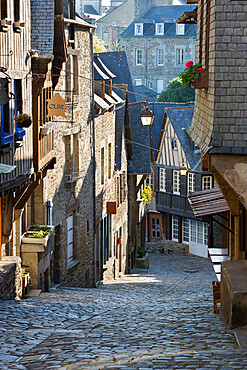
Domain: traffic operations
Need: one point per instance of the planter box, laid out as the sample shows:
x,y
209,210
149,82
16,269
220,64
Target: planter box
x,y
142,263
27,239
201,83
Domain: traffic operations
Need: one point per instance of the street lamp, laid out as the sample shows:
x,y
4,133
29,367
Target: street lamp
x,y
147,116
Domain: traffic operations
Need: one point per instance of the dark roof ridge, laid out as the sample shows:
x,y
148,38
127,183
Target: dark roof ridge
x,y
175,108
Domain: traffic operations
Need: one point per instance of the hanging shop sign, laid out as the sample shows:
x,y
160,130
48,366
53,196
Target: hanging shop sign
x,y
111,208
56,106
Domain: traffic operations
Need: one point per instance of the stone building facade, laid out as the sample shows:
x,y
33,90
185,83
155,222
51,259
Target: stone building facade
x,y
156,48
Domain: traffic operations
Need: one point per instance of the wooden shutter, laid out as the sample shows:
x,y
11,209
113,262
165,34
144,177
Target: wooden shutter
x,y
169,184
198,182
183,185
156,179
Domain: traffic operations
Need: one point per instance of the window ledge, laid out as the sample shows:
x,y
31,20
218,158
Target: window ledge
x,y
72,264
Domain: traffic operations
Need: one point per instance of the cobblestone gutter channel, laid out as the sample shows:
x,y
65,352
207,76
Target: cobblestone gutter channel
x,y
155,319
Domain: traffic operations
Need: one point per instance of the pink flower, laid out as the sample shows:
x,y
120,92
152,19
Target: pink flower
x,y
189,64
201,69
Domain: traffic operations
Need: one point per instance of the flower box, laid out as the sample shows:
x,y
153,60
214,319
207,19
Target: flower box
x,y
37,234
201,82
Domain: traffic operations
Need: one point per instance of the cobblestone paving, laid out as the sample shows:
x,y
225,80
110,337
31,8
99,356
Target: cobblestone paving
x,y
156,319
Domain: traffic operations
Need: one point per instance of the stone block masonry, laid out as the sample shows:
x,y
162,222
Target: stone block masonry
x,y
10,278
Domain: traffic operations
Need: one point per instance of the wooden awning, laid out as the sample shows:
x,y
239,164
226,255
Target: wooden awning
x,y
188,18
208,202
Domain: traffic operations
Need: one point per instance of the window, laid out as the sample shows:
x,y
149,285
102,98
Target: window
x,y
186,230
155,228
175,228
205,233
191,182
200,231
174,144
176,182
138,57
16,10
149,181
207,182
71,76
159,28
179,57
150,85
180,29
70,238
3,9
72,158
109,160
160,57
88,227
193,230
162,179
102,161
139,29
138,81
160,86
6,136
196,148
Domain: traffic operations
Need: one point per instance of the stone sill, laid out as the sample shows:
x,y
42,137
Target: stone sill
x,y
72,264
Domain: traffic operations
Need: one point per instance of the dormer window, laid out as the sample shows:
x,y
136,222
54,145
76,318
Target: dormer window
x,y
196,148
159,28
180,29
174,144
139,29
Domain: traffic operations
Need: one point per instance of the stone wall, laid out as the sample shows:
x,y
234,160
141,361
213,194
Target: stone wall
x,y
10,278
107,192
74,197
152,72
167,247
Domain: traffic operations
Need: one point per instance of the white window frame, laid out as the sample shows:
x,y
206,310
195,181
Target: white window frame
x,y
180,56
174,144
186,230
162,179
207,182
180,29
191,182
138,81
149,181
175,228
70,238
159,29
160,57
176,182
150,85
139,57
138,29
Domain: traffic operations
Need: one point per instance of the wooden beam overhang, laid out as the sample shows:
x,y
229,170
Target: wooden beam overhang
x,y
191,1
188,18
22,200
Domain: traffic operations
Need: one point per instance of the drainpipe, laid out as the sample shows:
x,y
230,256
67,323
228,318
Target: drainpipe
x,y
94,166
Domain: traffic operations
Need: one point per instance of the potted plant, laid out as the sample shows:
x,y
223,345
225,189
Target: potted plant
x,y
141,252
194,76
146,195
23,120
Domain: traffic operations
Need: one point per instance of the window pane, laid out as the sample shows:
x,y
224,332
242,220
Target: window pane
x,y
205,234
193,230
175,227
191,182
207,182
186,230
200,232
162,179
176,182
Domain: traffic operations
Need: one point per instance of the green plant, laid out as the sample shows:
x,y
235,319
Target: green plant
x,y
191,73
146,195
141,252
23,120
176,92
42,231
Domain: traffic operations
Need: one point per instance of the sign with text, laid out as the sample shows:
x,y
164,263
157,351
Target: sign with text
x,y
56,106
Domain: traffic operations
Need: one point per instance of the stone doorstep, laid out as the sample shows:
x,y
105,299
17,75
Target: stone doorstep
x,y
240,335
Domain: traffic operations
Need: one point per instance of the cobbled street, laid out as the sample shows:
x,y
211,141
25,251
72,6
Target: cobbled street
x,y
160,318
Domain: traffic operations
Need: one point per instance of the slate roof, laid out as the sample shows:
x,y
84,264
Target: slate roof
x,y
117,63
42,24
180,120
143,90
162,14
141,162
89,9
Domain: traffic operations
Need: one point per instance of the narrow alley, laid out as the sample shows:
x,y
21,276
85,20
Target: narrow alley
x,y
156,319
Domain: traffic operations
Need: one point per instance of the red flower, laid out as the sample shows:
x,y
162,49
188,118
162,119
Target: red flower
x,y
201,69
189,64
